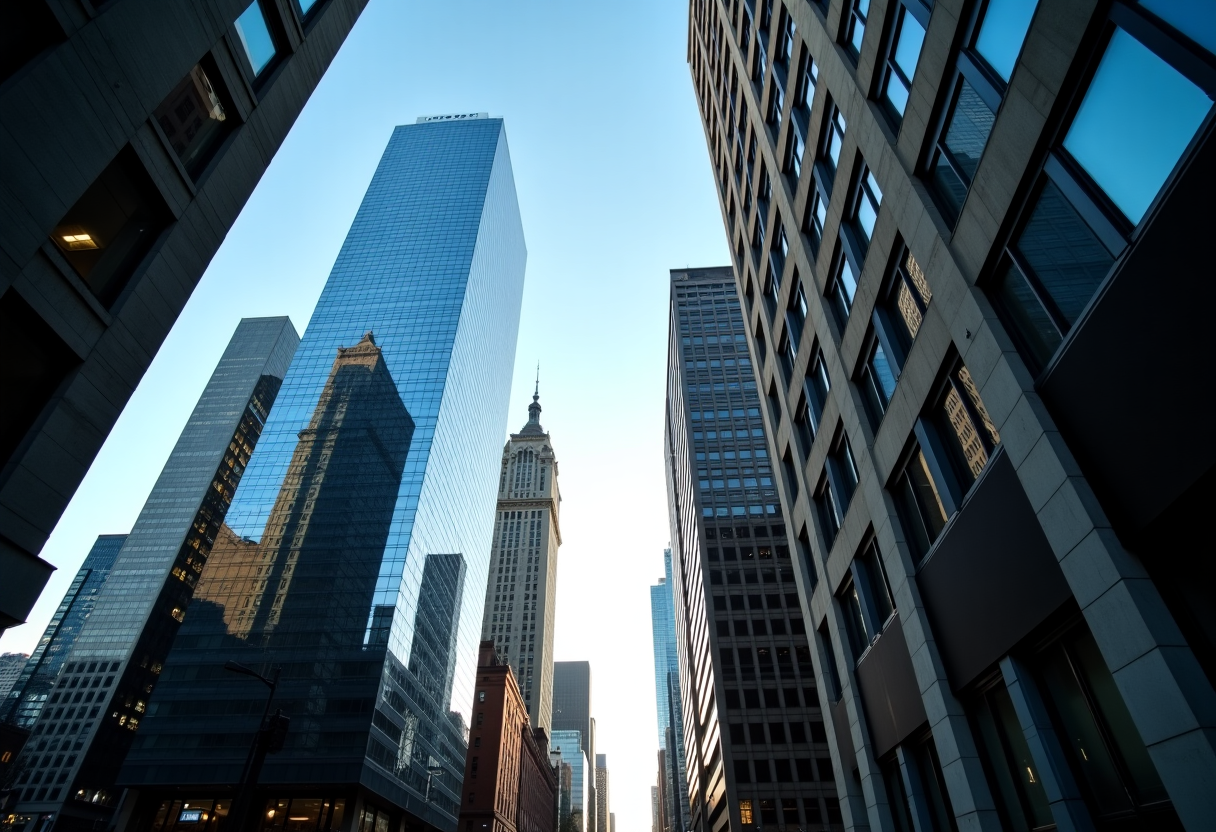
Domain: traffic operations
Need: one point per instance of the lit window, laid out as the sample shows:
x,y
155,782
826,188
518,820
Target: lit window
x,y
745,811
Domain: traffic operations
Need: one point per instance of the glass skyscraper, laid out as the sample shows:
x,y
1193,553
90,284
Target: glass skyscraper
x,y
66,772
668,704
26,698
364,521
574,812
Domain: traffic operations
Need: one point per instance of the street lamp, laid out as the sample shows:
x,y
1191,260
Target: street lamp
x,y
272,731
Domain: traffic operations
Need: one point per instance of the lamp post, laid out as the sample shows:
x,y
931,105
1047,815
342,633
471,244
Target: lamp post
x,y
268,739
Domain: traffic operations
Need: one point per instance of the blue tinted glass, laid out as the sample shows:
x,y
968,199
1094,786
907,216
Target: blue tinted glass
x,y
882,372
969,128
896,93
848,281
1130,158
306,5
1194,18
1002,32
255,37
911,38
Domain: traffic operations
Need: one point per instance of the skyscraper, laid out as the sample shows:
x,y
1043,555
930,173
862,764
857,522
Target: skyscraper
x,y
949,225
170,113
29,693
116,661
601,793
754,739
668,703
522,590
365,516
576,812
11,665
572,712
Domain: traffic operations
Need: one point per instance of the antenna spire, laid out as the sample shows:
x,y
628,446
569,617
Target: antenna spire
x,y
536,392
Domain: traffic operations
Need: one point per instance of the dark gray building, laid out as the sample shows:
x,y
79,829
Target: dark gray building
x,y
134,131
968,238
67,771
572,712
755,749
364,516
26,698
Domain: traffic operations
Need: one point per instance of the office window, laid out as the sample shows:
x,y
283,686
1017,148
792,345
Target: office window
x,y
816,387
785,45
904,306
964,425
110,229
1130,159
808,80
897,795
828,659
842,471
759,65
920,504
866,599
779,251
936,796
776,104
906,43
833,141
306,6
255,36
866,202
855,29
816,216
958,152
1012,773
193,117
793,154
843,286
1001,33
877,381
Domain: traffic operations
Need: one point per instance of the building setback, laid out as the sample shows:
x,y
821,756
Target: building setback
x,y
364,523
754,739
169,113
24,701
88,723
509,784
572,712
950,224
521,593
668,703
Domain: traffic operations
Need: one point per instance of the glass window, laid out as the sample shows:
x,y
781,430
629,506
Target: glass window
x,y
833,139
817,387
1196,20
858,14
1130,158
964,425
958,153
830,513
255,37
920,504
901,66
193,119
1002,32
877,382
869,199
843,288
810,79
816,216
909,299
776,104
794,151
1012,772
785,48
306,6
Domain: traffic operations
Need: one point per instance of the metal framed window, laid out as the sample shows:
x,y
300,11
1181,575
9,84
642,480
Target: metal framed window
x,y
903,55
855,27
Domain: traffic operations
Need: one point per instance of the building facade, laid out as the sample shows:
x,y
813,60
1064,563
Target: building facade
x,y
509,784
945,220
668,703
754,738
601,792
521,593
11,666
29,693
572,712
69,764
577,798
363,526
170,113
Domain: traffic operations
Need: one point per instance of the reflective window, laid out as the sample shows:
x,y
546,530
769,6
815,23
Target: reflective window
x,y
958,154
1011,770
842,288
877,381
1130,158
1002,32
920,504
1193,18
794,151
859,12
965,426
901,65
255,37
193,119
306,6
816,216
868,200
908,299
833,139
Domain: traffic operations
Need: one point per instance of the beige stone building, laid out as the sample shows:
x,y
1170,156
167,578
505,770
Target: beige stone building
x,y
522,588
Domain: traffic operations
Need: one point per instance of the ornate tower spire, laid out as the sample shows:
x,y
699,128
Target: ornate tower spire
x,y
533,425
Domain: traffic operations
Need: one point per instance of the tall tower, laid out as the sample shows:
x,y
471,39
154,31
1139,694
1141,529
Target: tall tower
x,y
521,591
90,722
371,500
668,703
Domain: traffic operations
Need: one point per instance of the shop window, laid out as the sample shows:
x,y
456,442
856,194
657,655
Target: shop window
x,y
107,233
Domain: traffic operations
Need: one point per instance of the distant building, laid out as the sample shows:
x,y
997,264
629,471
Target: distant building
x,y
169,115
25,700
11,665
509,783
668,703
576,809
612,822
572,712
521,593
601,792
655,818
115,664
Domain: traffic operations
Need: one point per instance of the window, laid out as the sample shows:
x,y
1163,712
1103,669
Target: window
x,y
816,216
110,229
855,30
776,104
963,423
1011,770
842,471
816,387
833,141
793,154
194,119
843,286
745,806
830,511
920,504
902,311
828,657
779,251
785,46
910,22
808,80
866,202
306,6
866,599
255,36
983,69
877,381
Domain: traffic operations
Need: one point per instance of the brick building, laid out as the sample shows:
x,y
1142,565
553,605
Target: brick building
x,y
509,785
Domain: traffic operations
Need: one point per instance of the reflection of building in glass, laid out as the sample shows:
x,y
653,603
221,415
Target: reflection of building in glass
x,y
30,691
115,664
339,559
574,812
572,712
667,697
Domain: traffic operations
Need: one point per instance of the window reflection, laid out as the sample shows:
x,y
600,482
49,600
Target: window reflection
x,y
255,37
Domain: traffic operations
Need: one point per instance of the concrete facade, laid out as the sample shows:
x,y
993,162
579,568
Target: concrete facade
x,y
91,99
523,563
972,624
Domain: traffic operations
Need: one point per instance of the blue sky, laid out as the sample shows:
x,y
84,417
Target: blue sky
x,y
615,188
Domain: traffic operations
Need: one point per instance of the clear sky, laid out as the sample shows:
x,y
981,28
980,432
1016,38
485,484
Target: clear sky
x,y
615,188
